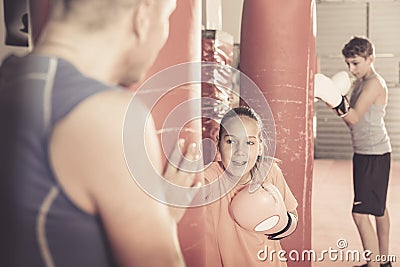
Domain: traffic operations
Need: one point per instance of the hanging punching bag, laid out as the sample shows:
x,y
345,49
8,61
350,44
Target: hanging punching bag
x,y
277,51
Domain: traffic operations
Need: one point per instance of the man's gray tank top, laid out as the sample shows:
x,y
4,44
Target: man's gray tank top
x,y
40,225
369,135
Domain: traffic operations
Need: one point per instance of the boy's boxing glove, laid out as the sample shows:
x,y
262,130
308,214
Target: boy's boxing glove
x,y
325,89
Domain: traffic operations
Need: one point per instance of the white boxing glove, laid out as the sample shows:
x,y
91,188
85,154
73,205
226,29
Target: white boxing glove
x,y
342,82
326,90
263,211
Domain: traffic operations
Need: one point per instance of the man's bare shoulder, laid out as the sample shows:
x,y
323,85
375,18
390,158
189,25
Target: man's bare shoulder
x,y
87,146
88,157
108,110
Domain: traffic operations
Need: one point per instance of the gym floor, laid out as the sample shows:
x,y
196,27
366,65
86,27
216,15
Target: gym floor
x,y
332,203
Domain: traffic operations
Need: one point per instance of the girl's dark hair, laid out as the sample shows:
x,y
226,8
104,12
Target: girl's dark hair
x,y
243,111
240,111
358,46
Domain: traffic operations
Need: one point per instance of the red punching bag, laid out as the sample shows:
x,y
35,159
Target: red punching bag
x,y
278,53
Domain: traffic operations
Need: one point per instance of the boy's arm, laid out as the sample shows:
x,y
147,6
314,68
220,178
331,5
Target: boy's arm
x,y
371,91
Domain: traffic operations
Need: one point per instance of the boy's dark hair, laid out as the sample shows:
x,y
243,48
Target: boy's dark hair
x,y
358,46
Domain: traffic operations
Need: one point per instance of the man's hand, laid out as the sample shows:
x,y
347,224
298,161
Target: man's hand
x,y
183,170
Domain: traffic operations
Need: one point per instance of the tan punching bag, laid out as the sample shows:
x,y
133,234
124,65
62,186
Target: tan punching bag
x,y
277,51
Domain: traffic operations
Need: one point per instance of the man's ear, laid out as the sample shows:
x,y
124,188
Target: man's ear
x,y
141,18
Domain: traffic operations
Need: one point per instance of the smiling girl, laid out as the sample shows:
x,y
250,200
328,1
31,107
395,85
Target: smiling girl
x,y
242,147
